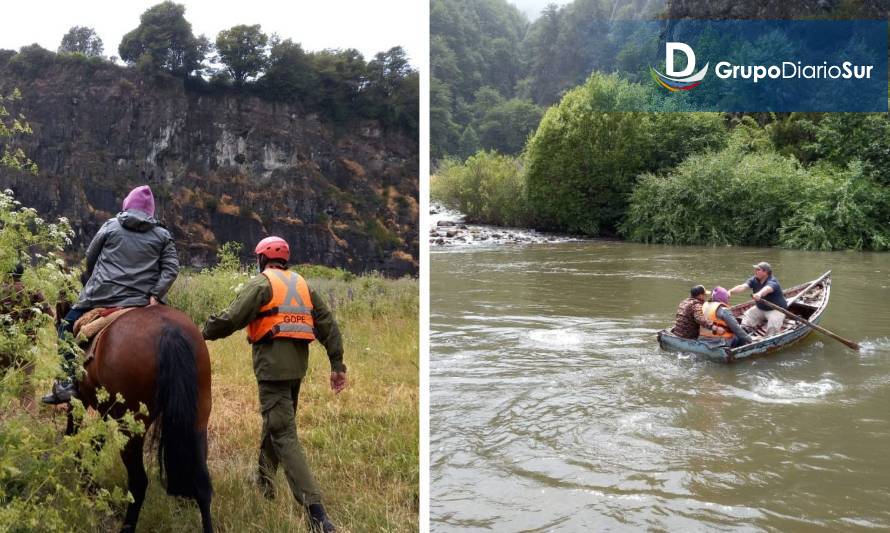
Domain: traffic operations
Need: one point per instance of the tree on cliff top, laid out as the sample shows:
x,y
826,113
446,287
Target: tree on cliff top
x,y
290,74
391,91
164,41
83,40
242,49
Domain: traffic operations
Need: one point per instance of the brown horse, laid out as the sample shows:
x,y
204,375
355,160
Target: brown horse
x,y
156,355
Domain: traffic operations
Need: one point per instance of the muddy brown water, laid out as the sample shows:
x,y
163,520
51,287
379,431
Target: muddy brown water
x,y
553,408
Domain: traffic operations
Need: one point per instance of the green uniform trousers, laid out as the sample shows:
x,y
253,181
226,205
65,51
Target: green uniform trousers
x,y
278,403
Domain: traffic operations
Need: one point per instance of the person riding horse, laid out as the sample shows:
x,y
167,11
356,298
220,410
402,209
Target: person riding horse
x,y
131,262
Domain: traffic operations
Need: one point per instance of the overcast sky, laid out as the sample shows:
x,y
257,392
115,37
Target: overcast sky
x,y
369,26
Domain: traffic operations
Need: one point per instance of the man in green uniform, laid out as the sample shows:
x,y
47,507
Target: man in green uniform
x,y
283,316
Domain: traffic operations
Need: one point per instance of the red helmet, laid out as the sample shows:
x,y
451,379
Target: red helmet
x,y
273,248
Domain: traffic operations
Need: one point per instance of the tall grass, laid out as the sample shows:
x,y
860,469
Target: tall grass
x,y
361,444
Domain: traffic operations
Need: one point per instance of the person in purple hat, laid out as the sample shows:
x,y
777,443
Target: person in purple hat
x,y
131,262
724,325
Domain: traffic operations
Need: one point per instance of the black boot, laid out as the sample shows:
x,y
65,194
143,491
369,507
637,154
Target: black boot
x,y
318,519
62,392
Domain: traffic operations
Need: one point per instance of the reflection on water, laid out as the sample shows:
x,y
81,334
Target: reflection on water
x,y
552,407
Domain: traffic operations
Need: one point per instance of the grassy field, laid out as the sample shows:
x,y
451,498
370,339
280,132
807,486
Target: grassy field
x,y
362,444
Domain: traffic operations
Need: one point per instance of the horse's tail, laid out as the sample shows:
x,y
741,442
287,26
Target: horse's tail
x,y
182,453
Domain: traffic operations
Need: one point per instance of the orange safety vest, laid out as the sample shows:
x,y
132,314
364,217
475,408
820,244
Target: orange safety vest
x,y
709,312
288,314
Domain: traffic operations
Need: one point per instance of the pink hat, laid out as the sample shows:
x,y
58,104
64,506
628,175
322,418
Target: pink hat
x,y
141,198
719,294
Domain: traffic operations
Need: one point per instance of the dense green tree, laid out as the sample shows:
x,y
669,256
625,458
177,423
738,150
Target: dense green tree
x,y
32,60
392,90
468,142
290,74
473,44
443,128
341,75
735,196
507,125
343,86
584,158
242,49
544,49
164,41
484,99
387,70
82,40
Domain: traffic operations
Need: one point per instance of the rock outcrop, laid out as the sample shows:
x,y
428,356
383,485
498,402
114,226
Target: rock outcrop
x,y
224,166
776,9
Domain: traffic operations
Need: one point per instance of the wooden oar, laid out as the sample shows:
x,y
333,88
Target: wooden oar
x,y
820,329
808,287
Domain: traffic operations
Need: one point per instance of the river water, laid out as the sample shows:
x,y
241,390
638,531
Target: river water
x,y
553,409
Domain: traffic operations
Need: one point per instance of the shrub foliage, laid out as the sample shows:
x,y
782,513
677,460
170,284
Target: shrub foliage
x,y
584,160
488,188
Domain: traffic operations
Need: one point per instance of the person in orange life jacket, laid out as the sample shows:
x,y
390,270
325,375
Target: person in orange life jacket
x,y
283,315
724,325
765,286
131,262
689,316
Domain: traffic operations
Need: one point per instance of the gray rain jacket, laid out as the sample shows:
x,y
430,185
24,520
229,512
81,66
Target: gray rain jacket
x,y
131,258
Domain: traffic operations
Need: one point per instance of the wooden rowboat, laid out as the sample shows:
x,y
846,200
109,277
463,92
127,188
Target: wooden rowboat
x,y
807,300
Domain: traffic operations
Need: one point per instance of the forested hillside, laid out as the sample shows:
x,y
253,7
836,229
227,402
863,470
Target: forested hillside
x,y
493,71
816,181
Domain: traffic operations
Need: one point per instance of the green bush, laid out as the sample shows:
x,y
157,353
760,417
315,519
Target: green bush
x,y
728,197
228,257
31,61
310,271
43,476
584,159
844,209
506,126
747,194
488,188
842,138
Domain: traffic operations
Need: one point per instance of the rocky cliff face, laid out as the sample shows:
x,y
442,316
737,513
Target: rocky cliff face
x,y
223,167
776,9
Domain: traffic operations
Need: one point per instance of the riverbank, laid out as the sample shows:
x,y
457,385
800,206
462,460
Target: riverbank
x,y
449,228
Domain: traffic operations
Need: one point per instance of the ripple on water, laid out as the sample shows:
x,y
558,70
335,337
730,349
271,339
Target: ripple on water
x,y
875,347
787,392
